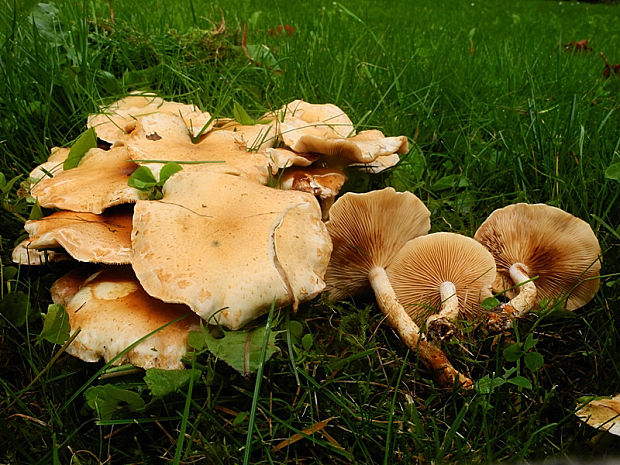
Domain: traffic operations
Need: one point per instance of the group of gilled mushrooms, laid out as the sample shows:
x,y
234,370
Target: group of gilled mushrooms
x,y
250,220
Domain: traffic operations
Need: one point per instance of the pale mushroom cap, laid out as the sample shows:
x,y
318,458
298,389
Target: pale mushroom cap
x,y
164,137
554,245
424,263
119,118
23,254
86,237
97,183
65,287
321,182
52,166
113,312
367,231
285,158
603,414
255,137
220,242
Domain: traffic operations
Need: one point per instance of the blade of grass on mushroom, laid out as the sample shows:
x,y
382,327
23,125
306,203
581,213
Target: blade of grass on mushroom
x,y
180,162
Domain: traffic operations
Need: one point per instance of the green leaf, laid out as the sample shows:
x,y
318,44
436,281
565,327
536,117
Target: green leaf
x,y
168,170
521,382
108,399
36,213
196,340
241,115
487,384
529,342
2,181
16,308
242,349
142,179
534,361
449,182
307,341
8,185
513,352
490,303
613,172
296,329
240,418
56,327
86,141
161,382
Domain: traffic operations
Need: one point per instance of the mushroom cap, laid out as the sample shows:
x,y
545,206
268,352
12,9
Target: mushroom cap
x,y
603,414
554,245
53,165
118,119
229,247
284,158
165,137
113,312
254,137
367,230
97,183
364,147
321,182
86,237
65,287
424,263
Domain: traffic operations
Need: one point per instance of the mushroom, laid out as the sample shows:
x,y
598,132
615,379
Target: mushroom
x,y
367,231
229,247
443,271
119,118
160,137
113,312
324,183
52,166
543,252
86,237
97,183
602,413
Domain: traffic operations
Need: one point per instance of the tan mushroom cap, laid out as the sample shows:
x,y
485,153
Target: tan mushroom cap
x,y
52,166
86,237
164,137
65,287
119,118
365,147
602,414
424,263
284,158
255,137
113,312
321,182
367,231
325,121
24,255
558,248
378,165
97,183
228,247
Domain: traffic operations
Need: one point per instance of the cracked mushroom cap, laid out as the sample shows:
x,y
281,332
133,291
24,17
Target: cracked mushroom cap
x,y
424,263
97,183
86,237
113,312
554,245
228,247
367,231
165,137
118,119
365,147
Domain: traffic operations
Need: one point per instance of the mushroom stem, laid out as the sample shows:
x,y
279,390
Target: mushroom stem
x,y
439,325
526,298
432,357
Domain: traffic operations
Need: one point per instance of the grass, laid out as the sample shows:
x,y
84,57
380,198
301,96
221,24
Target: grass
x,y
497,112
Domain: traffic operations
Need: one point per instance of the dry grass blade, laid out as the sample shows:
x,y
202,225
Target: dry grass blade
x,y
305,433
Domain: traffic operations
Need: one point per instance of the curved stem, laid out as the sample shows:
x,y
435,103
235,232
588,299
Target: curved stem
x,y
449,303
526,299
432,357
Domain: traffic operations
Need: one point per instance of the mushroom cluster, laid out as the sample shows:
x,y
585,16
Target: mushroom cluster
x,y
237,229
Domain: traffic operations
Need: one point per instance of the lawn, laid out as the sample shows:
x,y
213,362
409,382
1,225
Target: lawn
x,y
498,107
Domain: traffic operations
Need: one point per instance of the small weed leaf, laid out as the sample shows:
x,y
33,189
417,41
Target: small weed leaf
x,y
36,213
529,342
613,172
241,115
86,141
56,327
196,340
142,179
240,418
513,352
168,170
307,341
162,382
15,307
534,361
242,349
108,399
520,381
487,384
490,303
296,329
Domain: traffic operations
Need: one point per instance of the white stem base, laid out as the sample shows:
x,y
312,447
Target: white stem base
x,y
449,303
526,299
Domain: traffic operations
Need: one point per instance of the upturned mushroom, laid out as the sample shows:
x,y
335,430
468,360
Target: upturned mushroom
x,y
441,277
113,312
97,183
323,183
367,232
86,237
541,252
228,247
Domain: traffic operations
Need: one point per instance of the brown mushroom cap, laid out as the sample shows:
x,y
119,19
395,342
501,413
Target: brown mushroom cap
x,y
86,237
52,166
113,312
424,263
65,287
165,137
228,247
321,182
119,118
97,183
367,231
555,246
602,414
